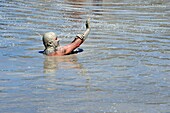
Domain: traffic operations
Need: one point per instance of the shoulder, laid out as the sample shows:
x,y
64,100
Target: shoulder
x,y
60,51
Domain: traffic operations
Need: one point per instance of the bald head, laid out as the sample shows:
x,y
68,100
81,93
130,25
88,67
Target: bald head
x,y
50,40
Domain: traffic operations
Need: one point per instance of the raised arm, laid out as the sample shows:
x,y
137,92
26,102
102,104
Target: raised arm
x,y
80,38
85,34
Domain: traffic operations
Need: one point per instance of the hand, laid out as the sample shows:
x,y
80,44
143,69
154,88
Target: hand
x,y
88,23
85,34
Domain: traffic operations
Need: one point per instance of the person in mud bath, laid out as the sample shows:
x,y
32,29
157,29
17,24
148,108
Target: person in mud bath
x,y
52,47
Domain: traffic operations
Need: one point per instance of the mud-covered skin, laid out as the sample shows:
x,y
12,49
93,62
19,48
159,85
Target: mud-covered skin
x,y
51,43
85,34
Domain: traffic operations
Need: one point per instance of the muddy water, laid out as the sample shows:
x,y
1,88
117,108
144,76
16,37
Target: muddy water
x,y
124,66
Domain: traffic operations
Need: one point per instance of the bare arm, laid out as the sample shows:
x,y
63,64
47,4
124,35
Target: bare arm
x,y
80,38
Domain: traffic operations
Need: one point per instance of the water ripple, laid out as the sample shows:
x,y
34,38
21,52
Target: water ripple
x,y
124,64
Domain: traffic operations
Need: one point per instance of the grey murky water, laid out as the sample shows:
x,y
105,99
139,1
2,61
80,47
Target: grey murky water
x,y
124,68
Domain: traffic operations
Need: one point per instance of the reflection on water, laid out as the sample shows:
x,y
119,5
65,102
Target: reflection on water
x,y
124,68
52,64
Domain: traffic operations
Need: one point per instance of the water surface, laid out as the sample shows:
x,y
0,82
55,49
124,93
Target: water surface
x,y
124,66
